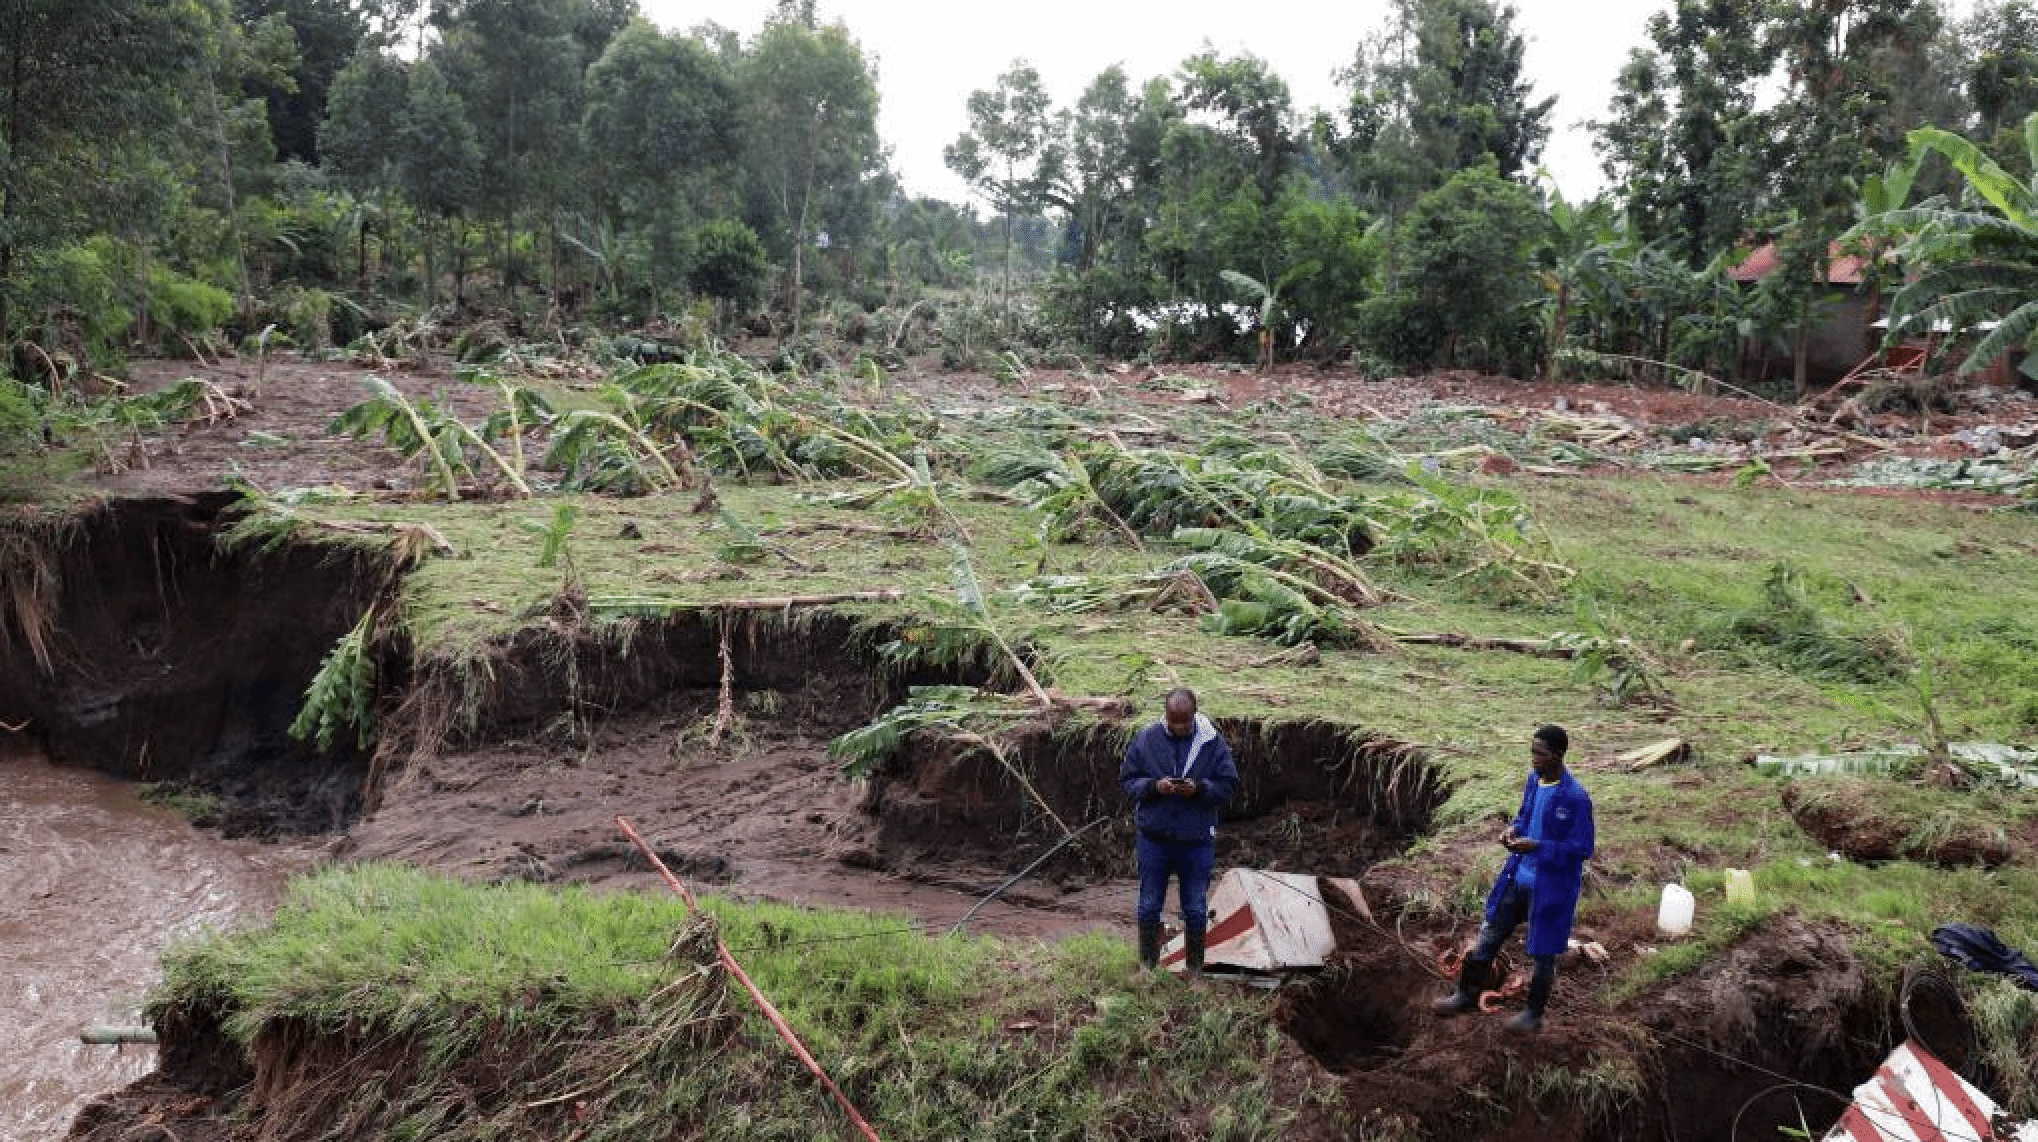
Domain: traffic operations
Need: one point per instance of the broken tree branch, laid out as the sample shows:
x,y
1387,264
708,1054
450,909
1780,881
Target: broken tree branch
x,y
1539,647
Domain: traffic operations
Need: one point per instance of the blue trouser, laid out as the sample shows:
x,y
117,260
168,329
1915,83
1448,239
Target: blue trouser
x,y
1190,862
1511,912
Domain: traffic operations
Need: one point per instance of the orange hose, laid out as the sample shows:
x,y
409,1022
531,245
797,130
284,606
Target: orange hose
x,y
729,961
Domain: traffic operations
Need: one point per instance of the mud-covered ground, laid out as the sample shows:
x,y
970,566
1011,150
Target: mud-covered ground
x,y
764,811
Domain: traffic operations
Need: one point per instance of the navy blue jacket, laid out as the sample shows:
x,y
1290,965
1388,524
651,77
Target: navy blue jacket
x,y
1560,864
1151,756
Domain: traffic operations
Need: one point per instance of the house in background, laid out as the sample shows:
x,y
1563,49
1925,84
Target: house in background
x,y
1841,334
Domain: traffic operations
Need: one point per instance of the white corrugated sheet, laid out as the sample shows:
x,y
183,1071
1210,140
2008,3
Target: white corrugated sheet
x,y
1914,1097
1268,921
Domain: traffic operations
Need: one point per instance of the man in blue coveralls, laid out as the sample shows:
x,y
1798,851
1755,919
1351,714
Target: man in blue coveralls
x,y
1178,773
1550,840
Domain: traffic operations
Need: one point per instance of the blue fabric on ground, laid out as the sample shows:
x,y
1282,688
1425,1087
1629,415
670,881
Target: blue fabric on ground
x,y
1979,949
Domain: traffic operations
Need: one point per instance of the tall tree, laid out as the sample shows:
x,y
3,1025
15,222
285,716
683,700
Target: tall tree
x,y
662,131
438,166
811,143
1683,141
75,76
1102,167
661,117
327,34
1844,60
1441,89
361,141
518,66
2002,68
1011,152
1217,200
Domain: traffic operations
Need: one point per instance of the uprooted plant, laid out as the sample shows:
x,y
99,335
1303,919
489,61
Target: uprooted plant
x,y
426,428
965,715
1785,623
342,693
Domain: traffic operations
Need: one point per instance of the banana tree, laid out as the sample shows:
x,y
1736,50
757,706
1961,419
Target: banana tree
x,y
1580,244
1269,299
1975,262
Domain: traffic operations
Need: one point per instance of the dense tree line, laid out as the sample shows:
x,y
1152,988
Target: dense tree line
x,y
174,172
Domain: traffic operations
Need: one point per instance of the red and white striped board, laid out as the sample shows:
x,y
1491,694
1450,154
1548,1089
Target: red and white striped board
x,y
1267,922
1914,1097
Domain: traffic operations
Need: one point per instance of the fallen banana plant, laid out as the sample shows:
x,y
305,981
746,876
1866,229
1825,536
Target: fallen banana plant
x,y
602,451
1178,589
271,521
342,693
1617,665
1056,485
422,428
954,710
655,606
1301,566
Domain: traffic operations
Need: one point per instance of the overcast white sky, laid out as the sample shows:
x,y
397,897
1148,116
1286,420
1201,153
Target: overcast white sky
x,y
931,56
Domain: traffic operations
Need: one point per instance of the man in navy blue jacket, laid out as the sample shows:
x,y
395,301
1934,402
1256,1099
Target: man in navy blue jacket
x,y
1178,773
1549,842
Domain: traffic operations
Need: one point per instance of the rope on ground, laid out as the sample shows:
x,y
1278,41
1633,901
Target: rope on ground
x,y
771,1013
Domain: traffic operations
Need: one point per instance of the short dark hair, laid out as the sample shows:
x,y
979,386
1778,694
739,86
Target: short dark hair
x,y
1554,737
1181,694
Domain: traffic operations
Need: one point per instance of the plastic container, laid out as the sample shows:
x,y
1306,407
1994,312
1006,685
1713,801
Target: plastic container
x,y
1673,915
1740,886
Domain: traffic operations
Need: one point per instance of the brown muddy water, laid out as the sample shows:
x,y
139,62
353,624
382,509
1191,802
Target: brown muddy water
x,y
94,885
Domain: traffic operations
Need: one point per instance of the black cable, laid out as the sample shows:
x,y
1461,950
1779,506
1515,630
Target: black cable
x,y
1734,1131
1022,873
1919,977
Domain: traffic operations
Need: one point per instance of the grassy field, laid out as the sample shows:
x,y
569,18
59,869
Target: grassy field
x,y
517,1011
1759,614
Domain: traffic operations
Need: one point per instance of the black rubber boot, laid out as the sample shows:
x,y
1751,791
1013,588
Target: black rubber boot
x,y
1192,943
1470,978
1540,986
1149,944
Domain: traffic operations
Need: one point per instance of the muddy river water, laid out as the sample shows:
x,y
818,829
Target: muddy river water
x,y
94,884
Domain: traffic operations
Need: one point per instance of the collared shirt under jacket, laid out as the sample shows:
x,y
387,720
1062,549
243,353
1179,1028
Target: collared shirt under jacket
x,y
1151,756
1566,836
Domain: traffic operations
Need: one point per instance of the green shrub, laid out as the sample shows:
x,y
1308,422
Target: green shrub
x,y
185,306
1461,261
75,294
729,262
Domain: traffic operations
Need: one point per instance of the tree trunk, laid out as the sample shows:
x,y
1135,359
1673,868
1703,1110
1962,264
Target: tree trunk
x,y
9,199
427,240
1008,270
233,209
508,273
799,252
1558,325
1801,351
456,238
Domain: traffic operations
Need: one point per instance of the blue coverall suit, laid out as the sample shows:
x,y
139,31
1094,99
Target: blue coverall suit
x,y
1541,887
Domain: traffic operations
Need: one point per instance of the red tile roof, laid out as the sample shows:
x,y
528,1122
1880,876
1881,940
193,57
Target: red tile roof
x,y
1841,269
